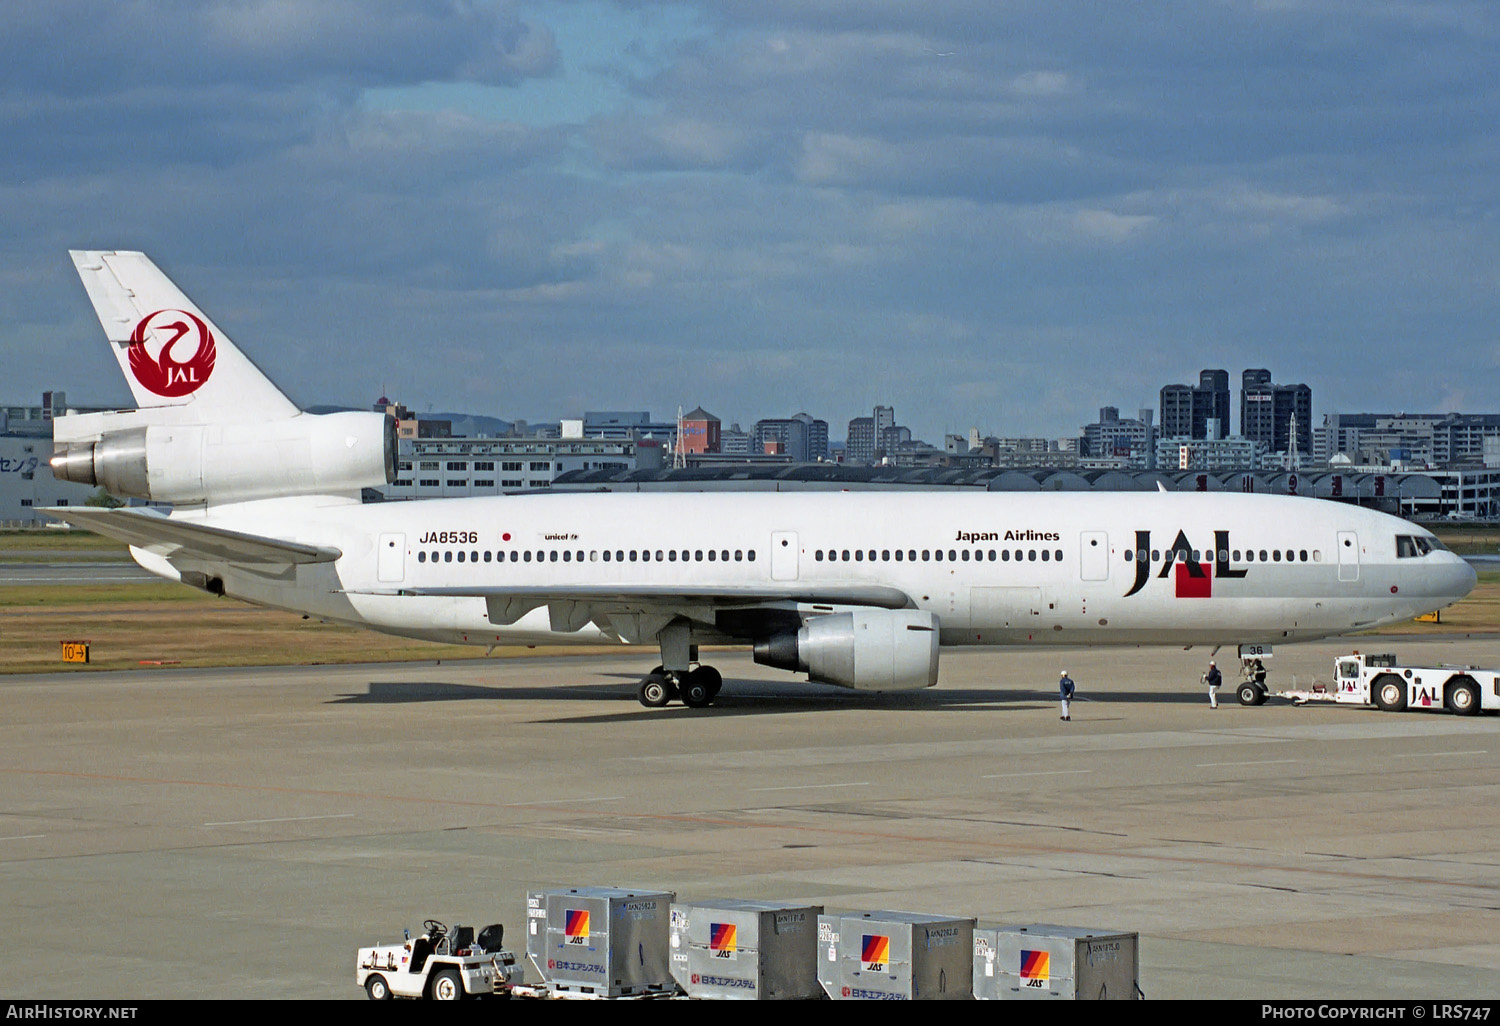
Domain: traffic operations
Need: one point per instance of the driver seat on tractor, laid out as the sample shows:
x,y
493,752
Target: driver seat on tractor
x,y
420,949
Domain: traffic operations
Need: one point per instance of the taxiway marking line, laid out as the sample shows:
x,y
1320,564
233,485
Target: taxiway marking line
x,y
1429,755
808,787
1033,773
1261,762
280,819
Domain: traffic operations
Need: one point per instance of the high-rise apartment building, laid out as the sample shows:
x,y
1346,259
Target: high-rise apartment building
x,y
1268,412
1201,412
802,437
859,447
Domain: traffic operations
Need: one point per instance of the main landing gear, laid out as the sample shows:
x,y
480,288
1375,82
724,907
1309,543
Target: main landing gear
x,y
696,688
697,685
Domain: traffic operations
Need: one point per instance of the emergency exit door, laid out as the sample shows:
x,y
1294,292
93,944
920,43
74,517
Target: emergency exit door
x,y
1093,556
390,564
784,555
1348,556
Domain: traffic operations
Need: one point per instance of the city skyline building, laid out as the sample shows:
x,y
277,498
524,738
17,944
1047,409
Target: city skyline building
x,y
699,433
1268,412
1200,411
1131,442
802,437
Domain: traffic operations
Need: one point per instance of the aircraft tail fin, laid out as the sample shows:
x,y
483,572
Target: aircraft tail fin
x,y
171,354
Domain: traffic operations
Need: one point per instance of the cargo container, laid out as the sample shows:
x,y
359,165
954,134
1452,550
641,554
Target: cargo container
x,y
1042,961
746,950
600,941
895,956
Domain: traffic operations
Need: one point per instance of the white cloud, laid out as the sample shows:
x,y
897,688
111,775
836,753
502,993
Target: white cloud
x,y
1109,226
1044,83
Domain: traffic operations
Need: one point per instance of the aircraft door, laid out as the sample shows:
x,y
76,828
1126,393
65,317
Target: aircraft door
x,y
1093,557
1348,556
783,555
390,564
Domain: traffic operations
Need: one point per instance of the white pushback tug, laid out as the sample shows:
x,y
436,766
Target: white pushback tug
x,y
1382,681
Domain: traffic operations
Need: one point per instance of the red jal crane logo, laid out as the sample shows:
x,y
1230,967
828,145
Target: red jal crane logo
x,y
185,358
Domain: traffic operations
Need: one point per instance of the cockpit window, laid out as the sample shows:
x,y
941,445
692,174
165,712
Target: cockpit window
x,y
1410,546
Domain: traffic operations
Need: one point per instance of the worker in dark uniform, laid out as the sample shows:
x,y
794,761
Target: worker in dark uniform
x,y
1213,678
1065,693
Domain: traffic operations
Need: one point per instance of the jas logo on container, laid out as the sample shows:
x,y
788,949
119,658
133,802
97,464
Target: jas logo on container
x,y
172,353
1036,968
875,953
723,940
576,926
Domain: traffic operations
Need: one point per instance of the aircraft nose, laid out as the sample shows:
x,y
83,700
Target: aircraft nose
x,y
1462,578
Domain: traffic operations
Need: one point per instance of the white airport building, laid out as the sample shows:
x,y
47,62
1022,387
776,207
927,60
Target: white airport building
x,y
433,468
26,481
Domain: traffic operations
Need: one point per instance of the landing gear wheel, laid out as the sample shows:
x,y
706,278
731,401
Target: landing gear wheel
x,y
700,686
447,986
1390,692
1249,694
1463,697
655,690
713,680
377,988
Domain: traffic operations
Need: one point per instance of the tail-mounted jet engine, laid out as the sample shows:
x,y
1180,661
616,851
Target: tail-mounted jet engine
x,y
309,454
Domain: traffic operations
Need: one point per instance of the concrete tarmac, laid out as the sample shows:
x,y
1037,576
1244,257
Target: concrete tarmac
x,y
238,833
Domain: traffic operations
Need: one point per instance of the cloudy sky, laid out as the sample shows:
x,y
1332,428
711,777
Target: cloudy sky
x,y
999,214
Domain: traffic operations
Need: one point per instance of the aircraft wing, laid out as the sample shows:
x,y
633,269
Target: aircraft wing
x,y
184,537
656,594
635,613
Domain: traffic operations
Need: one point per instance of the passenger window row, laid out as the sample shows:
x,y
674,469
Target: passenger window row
x,y
592,556
1225,556
933,555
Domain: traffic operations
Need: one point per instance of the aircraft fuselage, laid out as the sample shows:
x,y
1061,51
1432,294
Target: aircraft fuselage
x,y
995,568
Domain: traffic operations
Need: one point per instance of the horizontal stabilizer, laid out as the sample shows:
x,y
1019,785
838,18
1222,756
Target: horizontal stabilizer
x,y
185,537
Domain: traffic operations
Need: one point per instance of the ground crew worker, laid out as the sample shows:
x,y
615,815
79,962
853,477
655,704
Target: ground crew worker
x,y
1065,693
1213,678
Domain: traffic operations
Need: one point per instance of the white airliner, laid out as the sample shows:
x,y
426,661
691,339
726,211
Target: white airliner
x,y
855,589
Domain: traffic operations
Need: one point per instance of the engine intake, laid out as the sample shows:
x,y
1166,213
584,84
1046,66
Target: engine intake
x,y
310,454
867,649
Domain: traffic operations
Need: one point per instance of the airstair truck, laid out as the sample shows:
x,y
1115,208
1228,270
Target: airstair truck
x,y
1382,681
